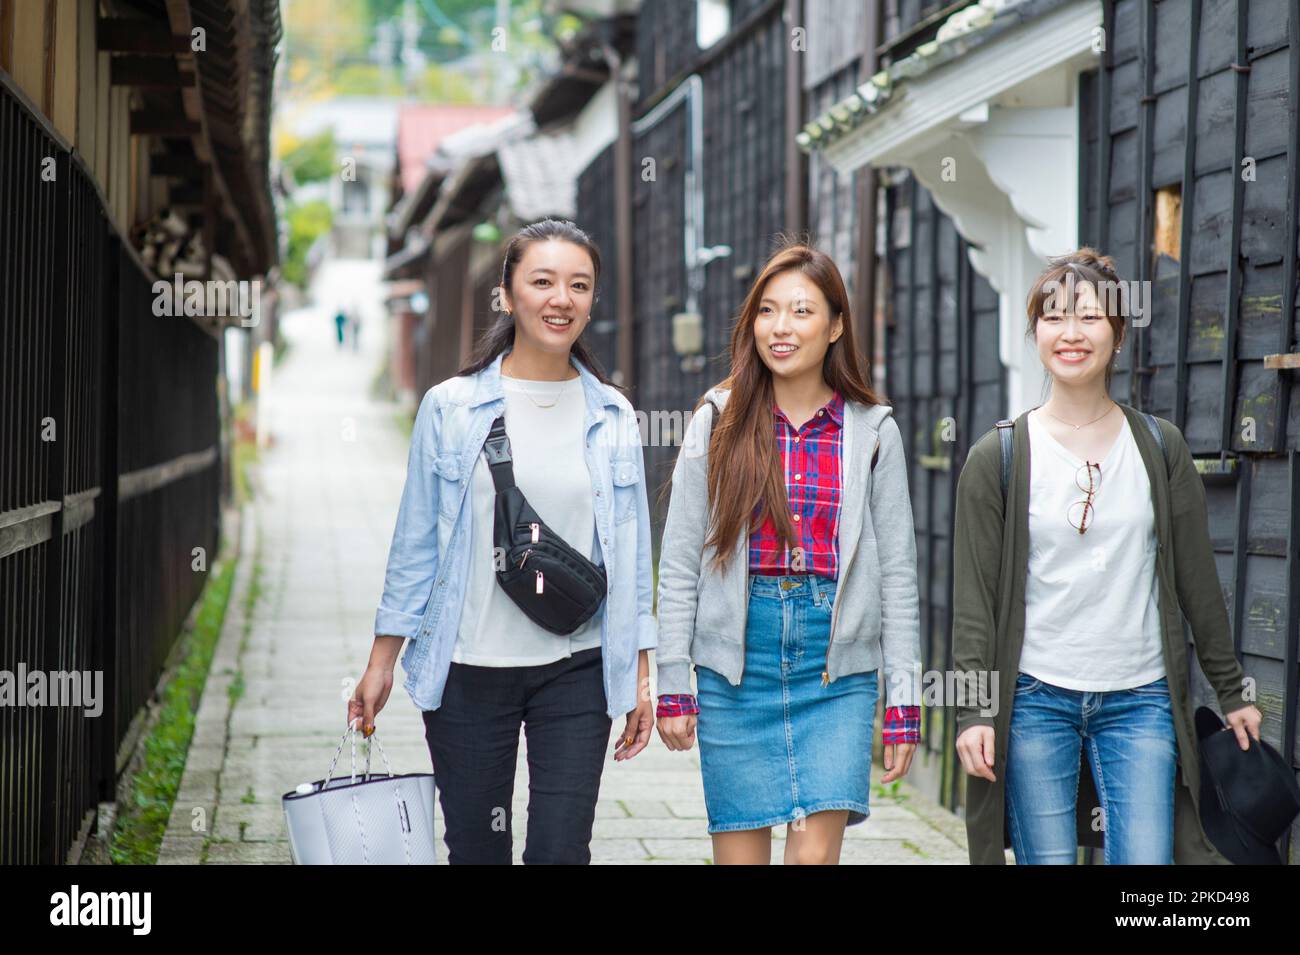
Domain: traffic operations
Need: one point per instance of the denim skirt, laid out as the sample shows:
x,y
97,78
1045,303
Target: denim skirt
x,y
781,746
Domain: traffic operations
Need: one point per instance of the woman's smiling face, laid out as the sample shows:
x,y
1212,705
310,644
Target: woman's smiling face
x,y
794,326
1076,341
551,295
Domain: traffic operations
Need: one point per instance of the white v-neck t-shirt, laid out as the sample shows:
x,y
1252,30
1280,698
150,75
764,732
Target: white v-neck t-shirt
x,y
1092,620
544,422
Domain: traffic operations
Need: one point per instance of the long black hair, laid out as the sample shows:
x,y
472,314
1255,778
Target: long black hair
x,y
500,336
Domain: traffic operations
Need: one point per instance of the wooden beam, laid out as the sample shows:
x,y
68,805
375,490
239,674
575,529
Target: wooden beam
x,y
7,35
185,196
1286,360
51,31
136,70
161,164
118,35
151,123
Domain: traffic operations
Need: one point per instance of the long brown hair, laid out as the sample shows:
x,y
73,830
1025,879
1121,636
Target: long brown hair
x,y
743,436
500,335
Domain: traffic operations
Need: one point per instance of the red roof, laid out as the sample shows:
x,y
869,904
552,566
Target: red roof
x,y
421,128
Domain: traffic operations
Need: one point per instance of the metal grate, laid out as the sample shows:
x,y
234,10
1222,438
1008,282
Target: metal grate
x,y
96,393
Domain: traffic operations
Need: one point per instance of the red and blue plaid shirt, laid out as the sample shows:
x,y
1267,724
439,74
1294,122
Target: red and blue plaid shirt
x,y
811,457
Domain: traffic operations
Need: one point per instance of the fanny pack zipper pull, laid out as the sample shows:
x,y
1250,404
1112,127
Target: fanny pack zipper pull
x,y
524,559
539,581
537,530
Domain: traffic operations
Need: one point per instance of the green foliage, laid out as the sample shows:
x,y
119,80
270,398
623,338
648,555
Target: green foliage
x,y
308,221
141,821
312,159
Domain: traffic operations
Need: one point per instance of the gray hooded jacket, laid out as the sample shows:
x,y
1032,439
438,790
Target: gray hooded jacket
x,y
874,623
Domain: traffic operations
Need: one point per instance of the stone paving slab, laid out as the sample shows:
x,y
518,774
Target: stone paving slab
x,y
317,536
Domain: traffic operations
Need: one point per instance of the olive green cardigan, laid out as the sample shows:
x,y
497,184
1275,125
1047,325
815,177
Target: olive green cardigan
x,y
990,564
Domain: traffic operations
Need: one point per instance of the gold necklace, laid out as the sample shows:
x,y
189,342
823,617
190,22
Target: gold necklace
x,y
535,402
528,394
1076,427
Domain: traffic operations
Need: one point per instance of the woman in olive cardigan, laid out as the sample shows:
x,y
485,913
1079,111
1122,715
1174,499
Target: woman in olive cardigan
x,y
991,558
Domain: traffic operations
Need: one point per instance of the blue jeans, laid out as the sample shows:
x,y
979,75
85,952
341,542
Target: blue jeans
x,y
1133,754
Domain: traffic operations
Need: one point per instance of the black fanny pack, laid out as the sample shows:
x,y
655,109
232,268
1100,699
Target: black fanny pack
x,y
554,585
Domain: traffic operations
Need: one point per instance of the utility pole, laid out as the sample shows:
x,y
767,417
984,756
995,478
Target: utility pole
x,y
412,59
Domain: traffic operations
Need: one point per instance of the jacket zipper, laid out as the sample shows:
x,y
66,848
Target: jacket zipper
x,y
835,611
835,615
744,602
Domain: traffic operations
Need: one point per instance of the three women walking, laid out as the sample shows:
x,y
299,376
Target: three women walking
x,y
787,585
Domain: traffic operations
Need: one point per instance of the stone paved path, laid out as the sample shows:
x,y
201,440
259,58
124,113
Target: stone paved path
x,y
314,544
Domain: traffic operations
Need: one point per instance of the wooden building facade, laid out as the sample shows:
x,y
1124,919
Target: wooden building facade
x,y
1165,134
121,152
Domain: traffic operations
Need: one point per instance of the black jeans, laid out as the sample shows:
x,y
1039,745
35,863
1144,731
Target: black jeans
x,y
474,743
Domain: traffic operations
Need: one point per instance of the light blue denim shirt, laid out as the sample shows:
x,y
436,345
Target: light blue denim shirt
x,y
424,586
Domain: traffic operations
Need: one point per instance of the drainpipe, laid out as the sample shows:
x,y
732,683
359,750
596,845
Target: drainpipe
x,y
625,357
796,163
696,254
864,309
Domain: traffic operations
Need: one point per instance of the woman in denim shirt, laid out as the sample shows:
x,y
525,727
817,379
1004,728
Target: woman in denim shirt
x,y
476,664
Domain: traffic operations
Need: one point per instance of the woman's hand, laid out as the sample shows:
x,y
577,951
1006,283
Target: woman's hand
x,y
1245,721
677,732
369,697
898,760
375,684
975,749
636,734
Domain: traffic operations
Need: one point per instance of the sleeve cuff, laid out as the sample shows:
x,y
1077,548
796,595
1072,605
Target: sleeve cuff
x,y
395,623
678,704
673,678
648,634
902,724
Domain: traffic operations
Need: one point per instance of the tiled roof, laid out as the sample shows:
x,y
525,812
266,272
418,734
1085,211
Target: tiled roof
x,y
539,175
421,128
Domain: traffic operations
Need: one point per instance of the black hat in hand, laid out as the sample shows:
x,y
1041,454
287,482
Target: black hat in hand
x,y
1248,796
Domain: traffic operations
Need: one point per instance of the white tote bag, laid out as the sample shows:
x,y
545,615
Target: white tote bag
x,y
371,819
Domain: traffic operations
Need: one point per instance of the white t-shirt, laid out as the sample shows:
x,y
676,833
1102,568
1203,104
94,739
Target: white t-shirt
x,y
1092,620
550,466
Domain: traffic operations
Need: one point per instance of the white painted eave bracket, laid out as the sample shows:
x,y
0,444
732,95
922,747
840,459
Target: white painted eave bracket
x,y
939,98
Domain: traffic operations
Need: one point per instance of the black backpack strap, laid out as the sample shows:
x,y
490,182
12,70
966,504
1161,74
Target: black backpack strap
x,y
1006,437
497,449
1154,427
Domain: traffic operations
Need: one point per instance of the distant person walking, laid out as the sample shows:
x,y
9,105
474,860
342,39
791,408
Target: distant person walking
x,y
340,323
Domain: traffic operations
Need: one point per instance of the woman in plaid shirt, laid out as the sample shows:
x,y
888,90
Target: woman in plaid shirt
x,y
788,577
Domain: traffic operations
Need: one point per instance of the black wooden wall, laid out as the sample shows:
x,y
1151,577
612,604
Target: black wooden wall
x,y
742,181
1225,297
596,216
947,386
